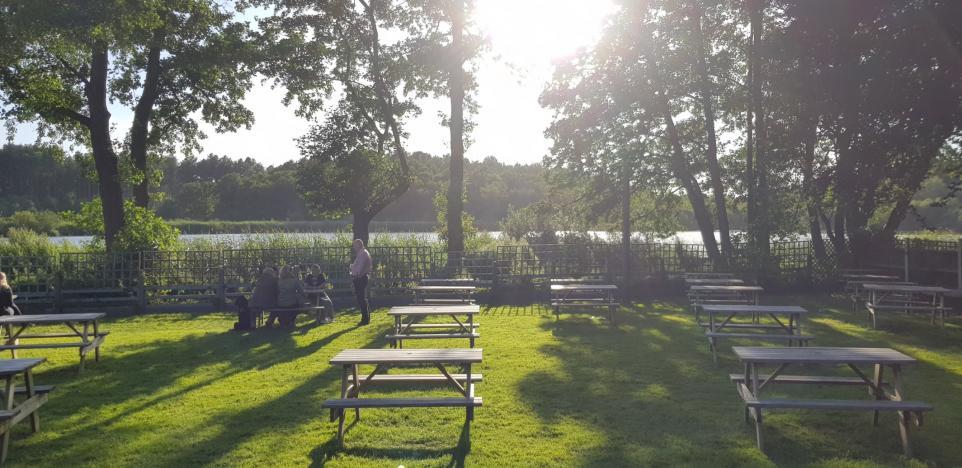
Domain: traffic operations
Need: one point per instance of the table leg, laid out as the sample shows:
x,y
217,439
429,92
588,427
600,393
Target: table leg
x,y
711,340
877,391
35,415
9,389
758,411
357,390
471,329
96,335
341,412
11,341
469,386
903,416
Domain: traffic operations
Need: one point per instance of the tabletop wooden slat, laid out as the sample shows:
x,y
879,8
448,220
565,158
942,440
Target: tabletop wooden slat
x,y
408,356
17,366
871,277
710,281
466,309
753,309
583,287
821,355
448,288
731,288
51,318
905,288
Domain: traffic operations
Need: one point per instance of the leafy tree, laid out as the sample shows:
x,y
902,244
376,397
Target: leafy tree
x,y
62,63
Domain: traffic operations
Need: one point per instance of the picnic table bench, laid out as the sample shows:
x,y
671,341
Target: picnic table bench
x,y
907,298
84,326
704,294
708,274
443,294
407,321
584,296
716,281
352,381
888,396
785,324
33,397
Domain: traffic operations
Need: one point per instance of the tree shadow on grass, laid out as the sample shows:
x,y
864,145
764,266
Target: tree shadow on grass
x,y
649,388
136,378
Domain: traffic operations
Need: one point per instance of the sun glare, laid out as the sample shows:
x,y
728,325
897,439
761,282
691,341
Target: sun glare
x,y
533,32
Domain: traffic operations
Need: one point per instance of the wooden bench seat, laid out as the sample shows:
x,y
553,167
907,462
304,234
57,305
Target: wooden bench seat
x,y
350,403
839,405
6,415
421,378
751,326
58,335
804,379
936,310
409,336
440,325
36,389
584,303
96,340
760,336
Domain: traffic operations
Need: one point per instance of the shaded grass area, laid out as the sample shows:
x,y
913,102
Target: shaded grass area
x,y
179,390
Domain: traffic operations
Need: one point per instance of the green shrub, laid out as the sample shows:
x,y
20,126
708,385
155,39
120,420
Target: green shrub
x,y
24,242
143,229
42,222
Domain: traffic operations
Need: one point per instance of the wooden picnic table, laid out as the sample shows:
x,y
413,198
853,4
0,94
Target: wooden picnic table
x,y
856,288
352,381
872,277
85,326
704,294
708,275
907,298
34,397
459,293
785,324
407,320
580,296
887,396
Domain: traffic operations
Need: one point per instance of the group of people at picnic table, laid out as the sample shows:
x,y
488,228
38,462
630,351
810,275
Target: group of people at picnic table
x,y
283,293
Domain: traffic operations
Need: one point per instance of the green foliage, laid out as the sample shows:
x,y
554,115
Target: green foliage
x,y
143,230
43,222
24,242
473,239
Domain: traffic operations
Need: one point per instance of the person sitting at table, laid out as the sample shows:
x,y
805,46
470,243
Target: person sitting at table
x,y
265,293
290,295
7,306
316,280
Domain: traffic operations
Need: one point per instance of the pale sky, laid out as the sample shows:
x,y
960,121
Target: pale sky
x,y
526,36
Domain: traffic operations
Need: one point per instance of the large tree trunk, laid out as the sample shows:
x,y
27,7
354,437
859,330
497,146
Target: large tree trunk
x,y
361,225
105,160
456,125
140,128
711,155
626,229
762,228
681,168
809,135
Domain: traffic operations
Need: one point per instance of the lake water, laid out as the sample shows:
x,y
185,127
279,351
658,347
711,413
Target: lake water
x,y
686,237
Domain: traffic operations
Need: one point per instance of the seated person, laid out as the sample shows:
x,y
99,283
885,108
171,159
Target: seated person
x,y
265,293
7,307
316,280
290,295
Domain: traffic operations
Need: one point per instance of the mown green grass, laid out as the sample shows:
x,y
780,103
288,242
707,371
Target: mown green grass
x,y
179,390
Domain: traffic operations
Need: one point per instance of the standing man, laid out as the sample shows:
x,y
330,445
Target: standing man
x,y
360,270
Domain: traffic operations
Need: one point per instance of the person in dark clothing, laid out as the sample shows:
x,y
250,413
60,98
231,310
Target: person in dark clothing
x,y
360,271
316,280
265,294
7,306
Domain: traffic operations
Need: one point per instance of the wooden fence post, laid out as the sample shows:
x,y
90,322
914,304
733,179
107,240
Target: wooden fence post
x,y
905,260
958,258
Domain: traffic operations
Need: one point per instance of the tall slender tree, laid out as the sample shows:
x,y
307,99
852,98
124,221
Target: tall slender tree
x,y
455,199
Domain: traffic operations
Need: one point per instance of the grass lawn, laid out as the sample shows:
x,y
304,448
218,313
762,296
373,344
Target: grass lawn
x,y
179,390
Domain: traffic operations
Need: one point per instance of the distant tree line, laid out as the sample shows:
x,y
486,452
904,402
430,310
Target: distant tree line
x,y
218,187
